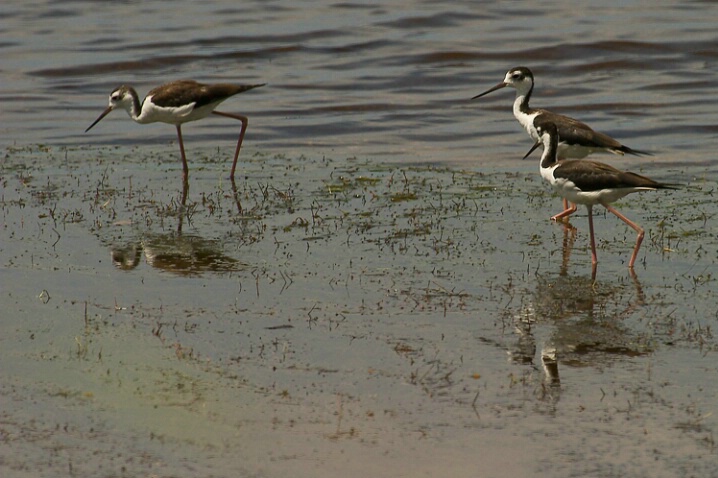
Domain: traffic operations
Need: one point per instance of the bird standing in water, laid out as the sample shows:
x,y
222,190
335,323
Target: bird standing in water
x,y
590,182
577,140
176,103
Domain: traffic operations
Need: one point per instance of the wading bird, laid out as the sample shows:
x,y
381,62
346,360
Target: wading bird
x,y
590,182
577,140
176,103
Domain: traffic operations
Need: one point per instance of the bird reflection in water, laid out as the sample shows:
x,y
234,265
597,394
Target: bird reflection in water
x,y
179,254
575,321
176,252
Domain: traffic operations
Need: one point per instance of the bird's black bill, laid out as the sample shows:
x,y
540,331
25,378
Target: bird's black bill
x,y
635,152
533,148
497,87
104,113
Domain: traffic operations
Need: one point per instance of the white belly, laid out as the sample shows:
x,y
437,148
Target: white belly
x,y
568,190
152,113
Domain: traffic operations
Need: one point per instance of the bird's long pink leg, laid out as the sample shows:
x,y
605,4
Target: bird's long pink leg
x,y
636,227
245,122
594,257
185,169
567,211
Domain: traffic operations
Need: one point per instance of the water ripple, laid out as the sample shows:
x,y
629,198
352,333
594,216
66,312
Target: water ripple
x,y
374,74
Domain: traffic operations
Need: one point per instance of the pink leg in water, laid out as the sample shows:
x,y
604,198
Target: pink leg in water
x,y
594,257
567,211
635,227
245,122
185,169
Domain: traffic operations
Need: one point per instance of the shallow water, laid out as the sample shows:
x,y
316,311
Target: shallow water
x,y
381,292
343,316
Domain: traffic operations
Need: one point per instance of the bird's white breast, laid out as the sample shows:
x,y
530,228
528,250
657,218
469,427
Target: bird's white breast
x,y
152,113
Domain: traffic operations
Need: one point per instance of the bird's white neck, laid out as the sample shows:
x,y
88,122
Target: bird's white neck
x,y
131,103
523,95
523,115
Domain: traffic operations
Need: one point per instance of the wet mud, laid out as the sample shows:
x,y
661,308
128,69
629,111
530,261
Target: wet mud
x,y
325,316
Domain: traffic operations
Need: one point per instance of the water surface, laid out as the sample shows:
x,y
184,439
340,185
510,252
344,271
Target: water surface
x,y
389,79
381,293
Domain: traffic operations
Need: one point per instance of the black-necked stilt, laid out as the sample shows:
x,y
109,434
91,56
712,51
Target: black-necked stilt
x,y
577,139
176,103
590,183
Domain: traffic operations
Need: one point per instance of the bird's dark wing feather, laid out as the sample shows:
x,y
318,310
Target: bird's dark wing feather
x,y
575,132
184,92
594,176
